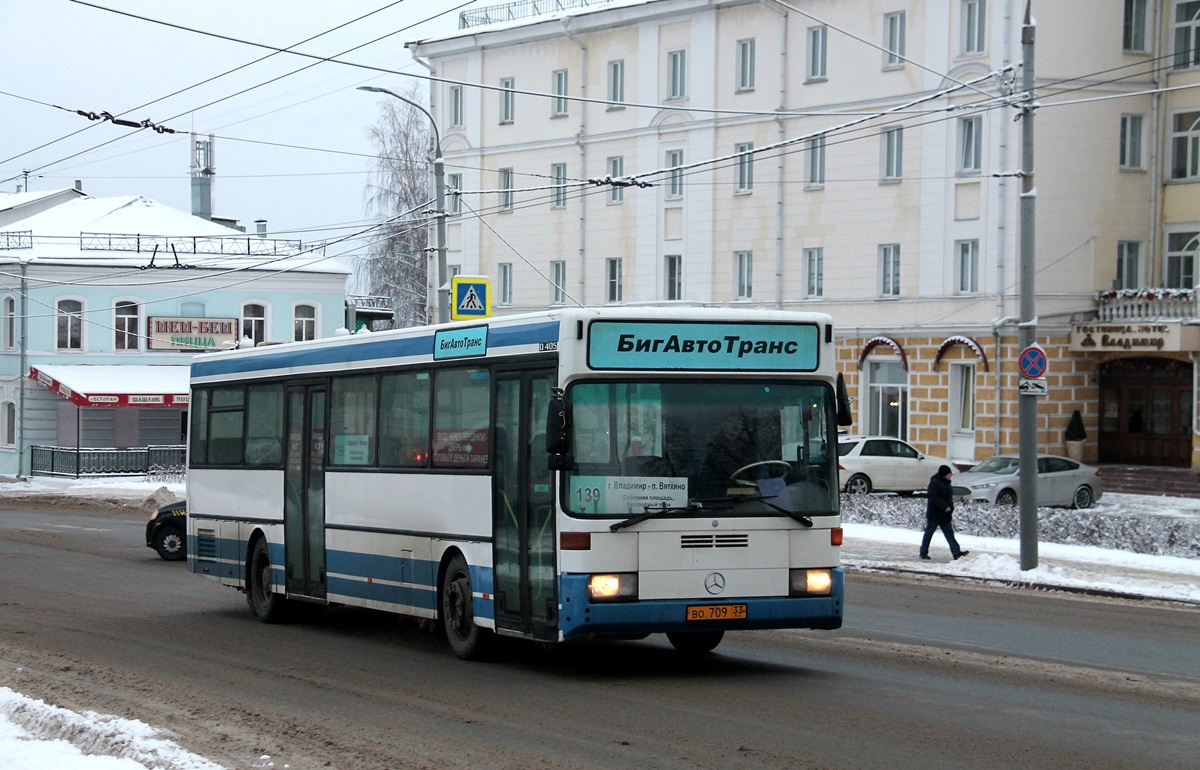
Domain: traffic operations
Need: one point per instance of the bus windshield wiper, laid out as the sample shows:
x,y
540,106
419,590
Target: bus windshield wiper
x,y
650,511
795,515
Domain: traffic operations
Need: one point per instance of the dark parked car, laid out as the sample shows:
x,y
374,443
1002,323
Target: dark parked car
x,y
166,532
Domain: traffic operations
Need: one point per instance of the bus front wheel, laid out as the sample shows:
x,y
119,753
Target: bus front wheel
x,y
458,614
695,642
266,605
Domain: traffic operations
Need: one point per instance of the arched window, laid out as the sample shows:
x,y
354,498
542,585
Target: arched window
x,y
126,326
69,319
304,322
254,322
10,323
10,424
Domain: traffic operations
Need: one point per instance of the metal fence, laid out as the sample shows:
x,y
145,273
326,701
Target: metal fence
x,y
160,463
521,9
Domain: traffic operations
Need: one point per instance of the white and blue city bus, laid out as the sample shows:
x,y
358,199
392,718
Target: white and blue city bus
x,y
566,475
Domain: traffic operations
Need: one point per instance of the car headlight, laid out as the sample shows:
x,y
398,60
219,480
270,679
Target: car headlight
x,y
987,485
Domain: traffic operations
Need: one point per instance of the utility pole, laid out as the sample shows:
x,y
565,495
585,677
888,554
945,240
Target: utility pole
x,y
1028,401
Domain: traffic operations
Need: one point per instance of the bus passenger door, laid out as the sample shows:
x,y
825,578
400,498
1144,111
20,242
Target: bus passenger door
x,y
523,508
304,491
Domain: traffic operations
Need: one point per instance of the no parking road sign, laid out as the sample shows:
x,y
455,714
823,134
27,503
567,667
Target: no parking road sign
x,y
1032,362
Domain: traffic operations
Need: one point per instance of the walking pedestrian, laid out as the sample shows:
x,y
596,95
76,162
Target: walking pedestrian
x,y
938,511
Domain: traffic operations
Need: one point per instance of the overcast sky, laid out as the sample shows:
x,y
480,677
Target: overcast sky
x,y
58,52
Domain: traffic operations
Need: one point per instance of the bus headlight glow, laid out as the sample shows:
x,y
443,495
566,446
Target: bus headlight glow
x,y
811,582
616,587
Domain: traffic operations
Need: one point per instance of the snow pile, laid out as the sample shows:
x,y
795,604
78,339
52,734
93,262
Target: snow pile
x,y
35,734
1157,533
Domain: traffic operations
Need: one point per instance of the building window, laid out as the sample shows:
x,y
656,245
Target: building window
x,y
1181,259
677,73
506,189
889,270
616,84
816,52
10,424
970,145
745,167
125,326
893,153
887,399
613,278
675,176
506,283
69,320
744,264
254,322
558,172
304,323
10,323
673,272
968,266
558,105
974,27
1129,264
814,260
1134,35
457,119
816,162
962,404
508,100
893,39
454,202
1131,140
616,170
745,64
1187,35
558,291
1185,145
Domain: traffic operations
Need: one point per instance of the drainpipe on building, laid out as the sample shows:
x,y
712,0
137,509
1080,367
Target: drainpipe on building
x,y
780,137
1002,238
432,287
23,375
581,143
1155,150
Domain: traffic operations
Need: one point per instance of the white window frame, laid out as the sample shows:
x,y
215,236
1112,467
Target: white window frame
x,y
1182,251
675,175
887,401
745,64
614,290
973,27
616,84
508,101
1186,50
506,189
673,277
616,170
970,145
677,74
818,61
744,180
1129,264
1185,145
1133,34
73,319
966,267
258,325
962,397
10,323
454,199
893,40
560,87
505,279
122,331
815,178
558,282
743,267
892,165
8,416
889,270
1132,151
814,265
304,328
457,108
558,172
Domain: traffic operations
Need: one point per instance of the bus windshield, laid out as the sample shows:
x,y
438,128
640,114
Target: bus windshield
x,y
682,446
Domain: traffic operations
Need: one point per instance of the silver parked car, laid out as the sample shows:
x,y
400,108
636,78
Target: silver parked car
x,y
1059,481
883,464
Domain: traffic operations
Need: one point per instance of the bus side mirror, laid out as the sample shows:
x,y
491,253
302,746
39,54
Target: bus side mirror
x,y
844,417
558,428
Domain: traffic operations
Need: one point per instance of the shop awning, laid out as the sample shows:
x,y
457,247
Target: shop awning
x,y
134,385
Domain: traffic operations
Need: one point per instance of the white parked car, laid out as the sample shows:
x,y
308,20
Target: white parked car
x,y
884,464
1059,481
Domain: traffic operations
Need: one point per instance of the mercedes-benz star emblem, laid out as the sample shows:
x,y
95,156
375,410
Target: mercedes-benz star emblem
x,y
714,582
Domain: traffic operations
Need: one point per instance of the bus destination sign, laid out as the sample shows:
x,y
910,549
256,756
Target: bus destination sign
x,y
699,346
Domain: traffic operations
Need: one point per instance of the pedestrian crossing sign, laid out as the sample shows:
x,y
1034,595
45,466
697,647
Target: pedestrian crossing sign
x,y
471,297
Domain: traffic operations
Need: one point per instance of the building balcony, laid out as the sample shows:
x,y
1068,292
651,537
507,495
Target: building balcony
x,y
1153,304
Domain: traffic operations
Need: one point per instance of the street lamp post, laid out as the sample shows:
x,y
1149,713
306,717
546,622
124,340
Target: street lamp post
x,y
439,185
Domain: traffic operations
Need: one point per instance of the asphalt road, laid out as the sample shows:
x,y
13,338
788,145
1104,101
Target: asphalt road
x,y
925,674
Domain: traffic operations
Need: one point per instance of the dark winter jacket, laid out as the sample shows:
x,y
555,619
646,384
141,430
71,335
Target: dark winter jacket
x,y
941,499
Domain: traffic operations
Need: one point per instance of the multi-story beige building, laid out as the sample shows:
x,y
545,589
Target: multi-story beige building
x,y
859,159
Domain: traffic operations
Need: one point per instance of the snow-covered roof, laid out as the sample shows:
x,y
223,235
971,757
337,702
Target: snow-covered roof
x,y
123,231
535,18
131,385
15,200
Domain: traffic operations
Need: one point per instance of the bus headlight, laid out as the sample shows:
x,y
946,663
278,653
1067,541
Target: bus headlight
x,y
810,582
616,587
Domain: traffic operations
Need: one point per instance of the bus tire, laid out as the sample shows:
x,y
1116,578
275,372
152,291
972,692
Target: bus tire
x,y
266,605
695,642
467,640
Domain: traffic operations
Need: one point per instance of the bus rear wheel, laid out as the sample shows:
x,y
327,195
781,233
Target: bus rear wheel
x,y
266,605
695,642
467,640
